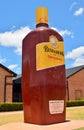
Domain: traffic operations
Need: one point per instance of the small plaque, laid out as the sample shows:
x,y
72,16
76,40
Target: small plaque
x,y
56,106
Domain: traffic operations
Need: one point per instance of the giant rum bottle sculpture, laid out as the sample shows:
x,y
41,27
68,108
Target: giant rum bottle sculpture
x,y
43,73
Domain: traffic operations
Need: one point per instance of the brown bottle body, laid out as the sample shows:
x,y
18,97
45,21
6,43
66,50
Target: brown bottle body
x,y
39,87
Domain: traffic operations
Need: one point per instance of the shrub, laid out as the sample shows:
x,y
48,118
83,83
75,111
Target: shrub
x,y
75,103
16,106
11,106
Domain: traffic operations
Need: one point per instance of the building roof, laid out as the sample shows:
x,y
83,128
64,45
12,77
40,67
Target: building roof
x,y
72,71
17,79
69,72
7,69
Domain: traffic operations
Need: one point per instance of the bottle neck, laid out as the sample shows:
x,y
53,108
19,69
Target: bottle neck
x,y
42,24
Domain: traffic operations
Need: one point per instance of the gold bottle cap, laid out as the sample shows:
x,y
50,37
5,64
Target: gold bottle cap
x,y
41,15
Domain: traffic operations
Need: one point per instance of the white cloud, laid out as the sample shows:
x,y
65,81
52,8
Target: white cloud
x,y
72,5
79,61
14,38
78,12
15,68
77,55
64,32
2,60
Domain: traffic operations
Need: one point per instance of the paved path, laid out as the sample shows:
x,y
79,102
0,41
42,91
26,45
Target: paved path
x,y
12,112
70,125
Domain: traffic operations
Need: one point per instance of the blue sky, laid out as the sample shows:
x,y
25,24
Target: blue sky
x,y
17,18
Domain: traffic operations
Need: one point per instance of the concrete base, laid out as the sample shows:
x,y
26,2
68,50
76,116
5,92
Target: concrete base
x,y
68,125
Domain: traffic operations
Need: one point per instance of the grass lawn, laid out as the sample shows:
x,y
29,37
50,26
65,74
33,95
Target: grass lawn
x,y
8,118
75,113
80,128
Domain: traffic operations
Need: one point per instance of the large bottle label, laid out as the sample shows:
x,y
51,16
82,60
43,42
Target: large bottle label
x,y
49,54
